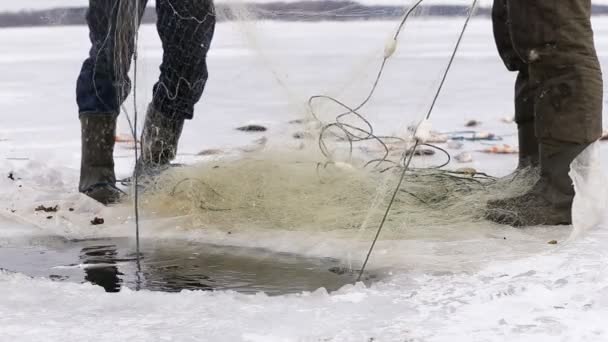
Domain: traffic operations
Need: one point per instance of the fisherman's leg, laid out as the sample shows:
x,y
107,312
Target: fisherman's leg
x,y
556,40
103,83
524,91
102,86
524,117
186,29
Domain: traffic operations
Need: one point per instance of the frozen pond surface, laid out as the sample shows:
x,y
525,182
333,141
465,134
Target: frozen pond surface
x,y
469,285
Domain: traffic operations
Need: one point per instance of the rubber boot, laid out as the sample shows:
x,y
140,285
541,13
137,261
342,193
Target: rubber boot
x,y
97,178
159,141
549,202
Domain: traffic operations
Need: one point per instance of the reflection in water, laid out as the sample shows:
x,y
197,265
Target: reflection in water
x,y
101,267
173,266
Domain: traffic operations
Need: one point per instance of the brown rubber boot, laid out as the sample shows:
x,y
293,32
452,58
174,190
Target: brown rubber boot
x,y
549,202
159,141
97,179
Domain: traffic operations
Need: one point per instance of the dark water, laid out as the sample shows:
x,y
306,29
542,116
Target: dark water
x,y
172,266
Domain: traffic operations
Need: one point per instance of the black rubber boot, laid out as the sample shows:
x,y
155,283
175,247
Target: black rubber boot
x,y
549,202
159,141
97,178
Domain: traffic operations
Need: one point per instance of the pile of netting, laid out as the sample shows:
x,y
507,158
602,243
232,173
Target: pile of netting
x,y
295,191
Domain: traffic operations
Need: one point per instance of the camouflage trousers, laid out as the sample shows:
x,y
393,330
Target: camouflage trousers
x,y
186,29
559,85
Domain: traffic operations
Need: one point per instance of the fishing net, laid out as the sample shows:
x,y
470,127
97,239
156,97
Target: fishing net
x,y
345,116
296,192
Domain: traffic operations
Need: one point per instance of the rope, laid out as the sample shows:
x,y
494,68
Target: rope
x,y
135,116
135,13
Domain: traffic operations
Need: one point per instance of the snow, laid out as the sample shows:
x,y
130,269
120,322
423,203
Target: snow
x,y
477,288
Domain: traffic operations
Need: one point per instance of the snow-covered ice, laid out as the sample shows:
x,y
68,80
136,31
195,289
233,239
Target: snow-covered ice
x,y
463,290
46,4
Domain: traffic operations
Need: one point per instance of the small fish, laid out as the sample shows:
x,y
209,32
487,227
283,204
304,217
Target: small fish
x,y
508,119
124,138
501,149
484,136
421,152
252,128
210,152
437,138
455,145
473,123
464,157
467,171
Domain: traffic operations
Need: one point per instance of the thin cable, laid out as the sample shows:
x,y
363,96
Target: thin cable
x,y
388,209
416,143
135,112
447,70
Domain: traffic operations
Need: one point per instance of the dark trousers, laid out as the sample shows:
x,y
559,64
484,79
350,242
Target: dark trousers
x,y
185,28
559,87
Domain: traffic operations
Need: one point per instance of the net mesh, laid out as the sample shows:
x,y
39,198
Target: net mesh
x,y
295,192
346,111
